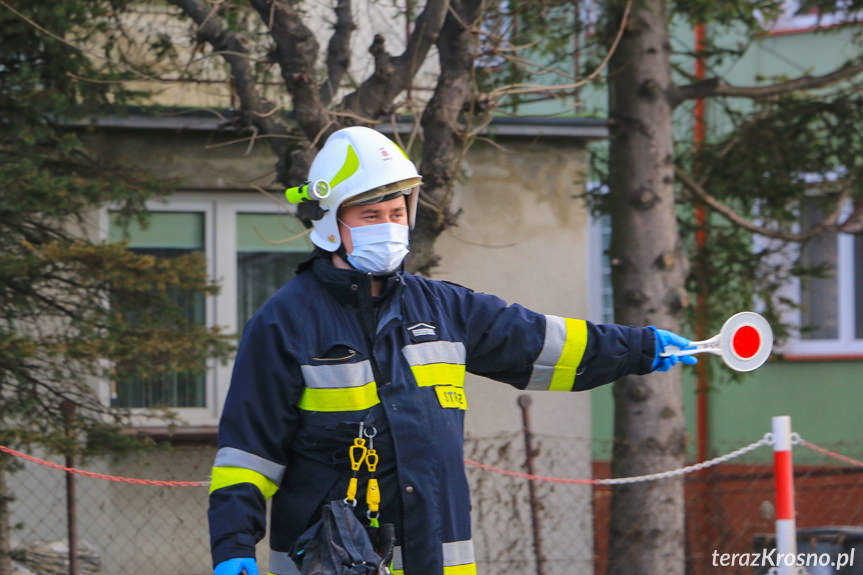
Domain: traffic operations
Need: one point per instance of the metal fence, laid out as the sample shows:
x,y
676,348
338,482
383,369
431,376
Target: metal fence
x,y
121,528
549,529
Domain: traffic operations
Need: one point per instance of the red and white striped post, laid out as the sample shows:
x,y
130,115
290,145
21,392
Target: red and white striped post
x,y
783,473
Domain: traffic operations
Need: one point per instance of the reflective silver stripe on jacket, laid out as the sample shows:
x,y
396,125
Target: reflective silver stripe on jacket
x,y
454,553
552,348
233,457
282,564
398,562
435,352
338,375
458,553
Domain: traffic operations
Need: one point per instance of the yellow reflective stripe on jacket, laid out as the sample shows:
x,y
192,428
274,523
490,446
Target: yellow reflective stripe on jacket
x,y
561,353
437,362
339,387
233,457
458,558
573,350
228,476
340,398
468,569
439,374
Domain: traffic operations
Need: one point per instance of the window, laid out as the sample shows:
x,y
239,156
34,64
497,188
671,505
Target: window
x,y
169,234
832,306
601,292
819,297
857,259
265,261
252,247
792,19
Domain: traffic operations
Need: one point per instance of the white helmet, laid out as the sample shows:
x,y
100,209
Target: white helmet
x,y
355,161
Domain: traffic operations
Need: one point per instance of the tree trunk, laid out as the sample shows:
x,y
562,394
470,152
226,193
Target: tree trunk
x,y
5,538
648,273
442,128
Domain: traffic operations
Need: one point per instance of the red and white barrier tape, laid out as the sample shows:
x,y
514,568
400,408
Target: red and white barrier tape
x,y
828,453
116,478
766,440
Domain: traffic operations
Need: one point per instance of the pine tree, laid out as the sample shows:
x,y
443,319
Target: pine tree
x,y
75,311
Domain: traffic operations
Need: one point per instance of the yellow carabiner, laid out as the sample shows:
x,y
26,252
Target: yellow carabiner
x,y
358,458
372,460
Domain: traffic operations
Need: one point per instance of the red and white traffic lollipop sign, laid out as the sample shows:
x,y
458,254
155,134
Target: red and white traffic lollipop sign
x,y
744,342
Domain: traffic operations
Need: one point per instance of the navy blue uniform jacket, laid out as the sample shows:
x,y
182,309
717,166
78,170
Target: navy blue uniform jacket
x,y
322,355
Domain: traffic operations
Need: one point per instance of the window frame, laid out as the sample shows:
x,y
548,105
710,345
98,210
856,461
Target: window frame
x,y
789,22
220,210
846,345
596,291
189,204
230,206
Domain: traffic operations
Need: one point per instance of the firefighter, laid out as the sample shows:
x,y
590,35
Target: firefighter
x,y
354,347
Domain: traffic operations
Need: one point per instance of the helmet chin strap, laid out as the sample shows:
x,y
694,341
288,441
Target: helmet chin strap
x,y
343,253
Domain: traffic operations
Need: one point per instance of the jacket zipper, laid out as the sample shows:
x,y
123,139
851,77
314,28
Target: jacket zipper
x,y
365,299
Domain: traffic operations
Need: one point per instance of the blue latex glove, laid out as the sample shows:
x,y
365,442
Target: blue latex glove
x,y
665,338
236,565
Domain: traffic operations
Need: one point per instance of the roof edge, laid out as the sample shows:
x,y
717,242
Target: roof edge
x,y
203,121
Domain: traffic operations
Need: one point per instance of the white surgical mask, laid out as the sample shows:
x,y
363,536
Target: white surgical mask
x,y
379,248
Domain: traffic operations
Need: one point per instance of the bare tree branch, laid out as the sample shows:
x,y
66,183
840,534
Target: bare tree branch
x,y
393,74
853,224
89,53
443,136
338,51
232,47
716,87
296,53
831,222
518,89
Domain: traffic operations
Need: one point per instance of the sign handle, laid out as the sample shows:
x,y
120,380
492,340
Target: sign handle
x,y
706,346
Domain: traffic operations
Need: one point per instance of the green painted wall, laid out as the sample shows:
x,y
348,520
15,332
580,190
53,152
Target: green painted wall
x,y
824,400
776,58
791,55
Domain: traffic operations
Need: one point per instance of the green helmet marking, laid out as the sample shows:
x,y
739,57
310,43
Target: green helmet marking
x,y
351,165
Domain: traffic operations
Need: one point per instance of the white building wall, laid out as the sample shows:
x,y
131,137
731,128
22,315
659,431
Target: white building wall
x,y
522,235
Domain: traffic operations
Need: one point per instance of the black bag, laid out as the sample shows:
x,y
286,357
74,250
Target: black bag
x,y
338,544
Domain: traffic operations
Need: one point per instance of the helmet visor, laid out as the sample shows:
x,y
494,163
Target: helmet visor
x,y
383,193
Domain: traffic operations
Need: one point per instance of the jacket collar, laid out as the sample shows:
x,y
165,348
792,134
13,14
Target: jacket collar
x,y
346,285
